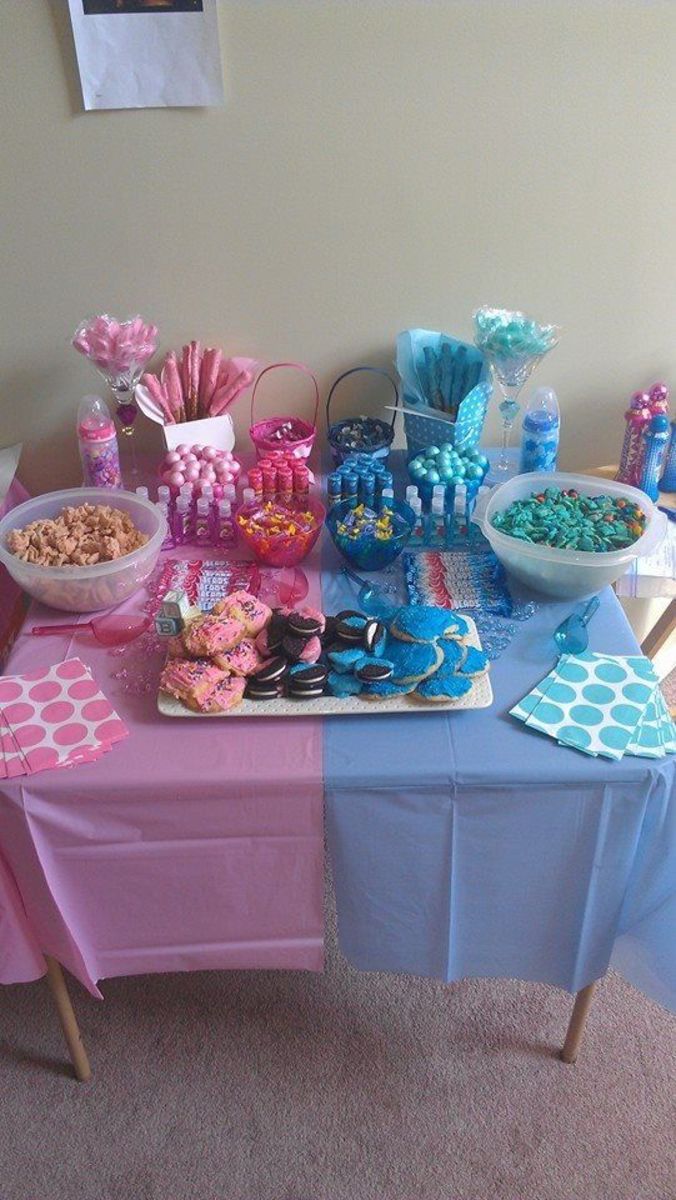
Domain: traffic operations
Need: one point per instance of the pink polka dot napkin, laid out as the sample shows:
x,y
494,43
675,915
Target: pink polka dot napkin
x,y
54,717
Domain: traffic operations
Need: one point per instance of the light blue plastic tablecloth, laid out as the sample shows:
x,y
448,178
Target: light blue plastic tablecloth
x,y
464,844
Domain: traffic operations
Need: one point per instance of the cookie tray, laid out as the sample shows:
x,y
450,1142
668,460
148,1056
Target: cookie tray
x,y
480,696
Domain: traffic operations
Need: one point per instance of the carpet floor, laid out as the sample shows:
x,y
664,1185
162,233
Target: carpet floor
x,y
347,1086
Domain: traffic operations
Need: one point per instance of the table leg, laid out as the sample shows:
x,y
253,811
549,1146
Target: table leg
x,y
578,1020
661,632
64,1007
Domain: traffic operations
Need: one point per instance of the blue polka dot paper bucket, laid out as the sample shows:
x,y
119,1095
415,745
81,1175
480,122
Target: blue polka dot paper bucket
x,y
425,426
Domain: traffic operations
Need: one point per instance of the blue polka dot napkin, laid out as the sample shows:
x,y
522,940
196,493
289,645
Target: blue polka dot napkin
x,y
601,704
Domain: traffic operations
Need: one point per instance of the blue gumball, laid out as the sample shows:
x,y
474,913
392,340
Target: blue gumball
x,y
446,447
432,476
432,451
460,469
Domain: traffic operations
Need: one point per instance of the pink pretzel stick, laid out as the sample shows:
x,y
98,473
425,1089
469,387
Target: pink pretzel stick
x,y
171,378
184,374
237,374
195,360
211,364
159,395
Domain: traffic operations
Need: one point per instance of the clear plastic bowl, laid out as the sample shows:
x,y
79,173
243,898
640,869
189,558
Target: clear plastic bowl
x,y
566,574
85,589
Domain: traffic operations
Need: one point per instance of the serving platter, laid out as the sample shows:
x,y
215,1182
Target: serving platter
x,y
479,696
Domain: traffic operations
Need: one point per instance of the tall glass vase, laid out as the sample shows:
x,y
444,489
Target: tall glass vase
x,y
513,345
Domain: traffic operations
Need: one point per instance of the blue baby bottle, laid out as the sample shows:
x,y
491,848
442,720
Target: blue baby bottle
x,y
540,432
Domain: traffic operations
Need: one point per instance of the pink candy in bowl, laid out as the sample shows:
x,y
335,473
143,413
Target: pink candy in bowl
x,y
280,535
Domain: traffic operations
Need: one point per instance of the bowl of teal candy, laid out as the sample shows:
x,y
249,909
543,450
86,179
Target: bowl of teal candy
x,y
368,539
568,536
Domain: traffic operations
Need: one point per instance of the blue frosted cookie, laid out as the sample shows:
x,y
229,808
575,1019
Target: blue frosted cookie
x,y
443,686
454,654
343,685
387,690
423,623
461,630
346,660
475,662
412,661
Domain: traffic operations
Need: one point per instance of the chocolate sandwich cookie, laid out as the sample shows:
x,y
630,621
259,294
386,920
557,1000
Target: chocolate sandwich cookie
x,y
275,629
345,613
257,689
374,670
351,629
303,626
272,671
307,682
293,646
374,636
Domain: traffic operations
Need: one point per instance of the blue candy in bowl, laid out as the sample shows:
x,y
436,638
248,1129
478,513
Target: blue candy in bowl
x,y
368,539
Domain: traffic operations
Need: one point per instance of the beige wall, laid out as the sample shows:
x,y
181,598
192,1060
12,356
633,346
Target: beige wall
x,y
377,165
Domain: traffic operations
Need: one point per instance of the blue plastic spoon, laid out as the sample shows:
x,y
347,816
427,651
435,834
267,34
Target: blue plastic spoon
x,y
571,636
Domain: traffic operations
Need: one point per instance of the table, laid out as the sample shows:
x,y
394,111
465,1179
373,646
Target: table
x,y
461,844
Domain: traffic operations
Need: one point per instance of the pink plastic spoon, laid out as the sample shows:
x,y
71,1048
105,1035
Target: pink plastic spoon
x,y
287,586
110,629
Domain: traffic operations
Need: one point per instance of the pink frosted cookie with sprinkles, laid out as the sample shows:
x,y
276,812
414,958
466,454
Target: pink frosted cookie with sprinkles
x,y
242,606
226,695
243,659
190,680
209,634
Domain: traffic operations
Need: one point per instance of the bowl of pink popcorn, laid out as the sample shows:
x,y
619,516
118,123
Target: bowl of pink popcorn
x,y
83,549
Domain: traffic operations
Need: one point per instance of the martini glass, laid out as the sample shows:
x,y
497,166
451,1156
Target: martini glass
x,y
513,345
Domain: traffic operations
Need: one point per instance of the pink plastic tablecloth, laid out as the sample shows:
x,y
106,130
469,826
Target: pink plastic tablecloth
x,y
194,844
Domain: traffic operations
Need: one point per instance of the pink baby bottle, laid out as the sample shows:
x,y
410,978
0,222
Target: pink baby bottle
x,y
97,442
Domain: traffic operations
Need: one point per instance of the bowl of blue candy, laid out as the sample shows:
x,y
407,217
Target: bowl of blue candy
x,y
367,538
445,465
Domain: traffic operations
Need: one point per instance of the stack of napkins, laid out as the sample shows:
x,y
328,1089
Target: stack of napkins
x,y
603,704
54,717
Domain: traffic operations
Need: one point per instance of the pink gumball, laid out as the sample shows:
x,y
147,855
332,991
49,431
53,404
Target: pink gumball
x,y
197,448
218,492
182,448
190,458
210,476
171,458
177,479
235,467
209,453
192,473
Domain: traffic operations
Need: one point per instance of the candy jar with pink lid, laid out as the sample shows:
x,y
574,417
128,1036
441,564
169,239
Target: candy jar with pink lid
x,y
97,443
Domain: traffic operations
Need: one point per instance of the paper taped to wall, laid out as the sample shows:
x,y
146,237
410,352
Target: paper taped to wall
x,y
147,53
